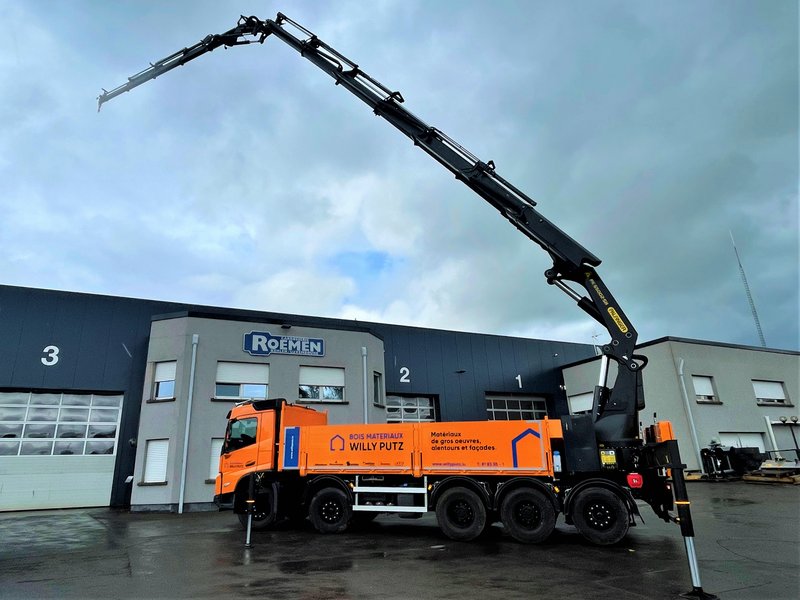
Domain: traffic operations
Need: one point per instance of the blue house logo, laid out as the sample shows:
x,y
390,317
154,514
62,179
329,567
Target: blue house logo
x,y
517,440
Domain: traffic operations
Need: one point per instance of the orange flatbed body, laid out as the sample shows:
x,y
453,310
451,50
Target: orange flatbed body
x,y
496,448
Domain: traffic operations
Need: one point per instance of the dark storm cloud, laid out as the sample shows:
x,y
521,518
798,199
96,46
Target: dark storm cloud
x,y
648,131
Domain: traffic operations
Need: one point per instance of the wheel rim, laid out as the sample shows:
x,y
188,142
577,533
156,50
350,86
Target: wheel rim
x,y
330,511
527,515
460,513
599,515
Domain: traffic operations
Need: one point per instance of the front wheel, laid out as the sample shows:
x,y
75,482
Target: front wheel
x,y
330,510
600,516
461,514
528,515
264,515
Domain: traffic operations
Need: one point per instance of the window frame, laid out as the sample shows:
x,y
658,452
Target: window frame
x,y
214,458
378,390
412,402
169,395
320,378
227,380
147,461
764,401
705,398
537,413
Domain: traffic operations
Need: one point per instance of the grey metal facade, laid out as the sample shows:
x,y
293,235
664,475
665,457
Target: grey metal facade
x,y
106,345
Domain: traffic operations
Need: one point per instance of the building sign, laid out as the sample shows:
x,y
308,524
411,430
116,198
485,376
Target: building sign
x,y
263,343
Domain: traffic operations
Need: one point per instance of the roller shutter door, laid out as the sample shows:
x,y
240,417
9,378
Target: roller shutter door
x,y
57,449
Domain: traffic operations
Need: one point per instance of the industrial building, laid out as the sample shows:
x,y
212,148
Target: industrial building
x,y
108,401
738,396
94,390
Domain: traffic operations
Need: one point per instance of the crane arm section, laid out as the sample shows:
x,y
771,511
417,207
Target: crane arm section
x,y
615,410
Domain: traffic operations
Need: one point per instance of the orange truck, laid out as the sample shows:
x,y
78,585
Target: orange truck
x,y
290,464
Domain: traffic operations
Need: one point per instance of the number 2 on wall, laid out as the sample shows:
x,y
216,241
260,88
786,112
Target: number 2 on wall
x,y
51,357
405,375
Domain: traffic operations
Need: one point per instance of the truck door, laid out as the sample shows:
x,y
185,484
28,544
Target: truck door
x,y
247,447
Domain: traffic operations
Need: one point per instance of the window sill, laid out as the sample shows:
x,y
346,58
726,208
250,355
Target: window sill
x,y
212,481
159,400
151,483
712,402
311,401
235,400
775,404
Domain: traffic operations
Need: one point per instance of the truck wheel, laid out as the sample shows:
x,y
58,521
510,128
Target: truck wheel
x,y
330,511
528,515
461,514
600,516
263,517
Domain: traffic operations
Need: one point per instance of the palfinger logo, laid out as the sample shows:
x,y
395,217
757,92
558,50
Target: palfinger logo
x,y
617,319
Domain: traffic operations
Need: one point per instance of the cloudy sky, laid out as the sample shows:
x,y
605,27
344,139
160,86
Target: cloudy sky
x,y
649,131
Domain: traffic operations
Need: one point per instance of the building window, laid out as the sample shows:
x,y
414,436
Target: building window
x,y
155,461
164,381
581,404
770,393
377,389
60,424
321,384
216,451
240,381
515,408
410,409
704,390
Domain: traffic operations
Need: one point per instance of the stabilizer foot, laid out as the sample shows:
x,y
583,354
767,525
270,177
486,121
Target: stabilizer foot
x,y
697,592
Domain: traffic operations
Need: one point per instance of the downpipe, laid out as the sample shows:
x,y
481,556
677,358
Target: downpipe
x,y
184,459
688,407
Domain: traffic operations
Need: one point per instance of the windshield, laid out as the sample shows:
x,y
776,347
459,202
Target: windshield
x,y
240,434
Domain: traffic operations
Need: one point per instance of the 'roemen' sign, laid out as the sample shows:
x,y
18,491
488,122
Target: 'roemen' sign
x,y
263,343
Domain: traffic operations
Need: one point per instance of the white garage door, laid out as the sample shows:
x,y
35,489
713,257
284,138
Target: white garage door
x,y
57,450
742,440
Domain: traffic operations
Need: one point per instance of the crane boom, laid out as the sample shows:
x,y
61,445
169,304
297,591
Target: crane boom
x,y
615,411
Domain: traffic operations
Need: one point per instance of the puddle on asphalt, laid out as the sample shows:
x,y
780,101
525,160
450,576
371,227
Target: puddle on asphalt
x,y
727,502
304,567
35,534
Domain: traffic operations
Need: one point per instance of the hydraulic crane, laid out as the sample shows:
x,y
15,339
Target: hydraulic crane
x,y
615,408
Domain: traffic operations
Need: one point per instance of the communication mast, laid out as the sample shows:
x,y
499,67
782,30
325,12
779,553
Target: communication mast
x,y
749,295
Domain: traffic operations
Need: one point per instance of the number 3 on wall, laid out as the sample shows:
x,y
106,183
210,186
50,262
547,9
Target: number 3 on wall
x,y
51,356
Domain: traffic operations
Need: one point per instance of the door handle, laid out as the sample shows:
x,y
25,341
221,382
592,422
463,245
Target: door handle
x,y
250,464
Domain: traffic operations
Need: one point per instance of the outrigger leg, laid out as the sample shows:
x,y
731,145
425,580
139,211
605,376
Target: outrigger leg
x,y
684,519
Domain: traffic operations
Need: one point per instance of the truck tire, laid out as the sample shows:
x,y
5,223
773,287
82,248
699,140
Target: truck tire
x,y
461,514
263,517
330,510
600,516
528,515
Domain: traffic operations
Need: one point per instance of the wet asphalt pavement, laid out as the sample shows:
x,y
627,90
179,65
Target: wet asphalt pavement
x,y
748,545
